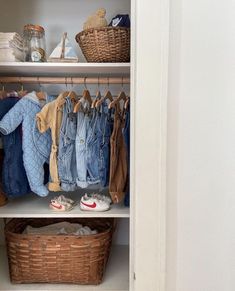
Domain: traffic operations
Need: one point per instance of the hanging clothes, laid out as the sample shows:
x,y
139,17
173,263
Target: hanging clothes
x,y
104,131
50,117
14,179
118,160
3,199
87,165
36,146
126,134
66,155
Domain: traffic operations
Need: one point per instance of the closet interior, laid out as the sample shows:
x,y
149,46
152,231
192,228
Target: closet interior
x,y
53,78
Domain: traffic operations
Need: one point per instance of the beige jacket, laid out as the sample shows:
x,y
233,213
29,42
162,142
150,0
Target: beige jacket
x,y
51,117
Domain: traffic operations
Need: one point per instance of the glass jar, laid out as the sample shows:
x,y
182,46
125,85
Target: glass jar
x,y
34,43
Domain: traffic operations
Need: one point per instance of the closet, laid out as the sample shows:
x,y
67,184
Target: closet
x,y
138,256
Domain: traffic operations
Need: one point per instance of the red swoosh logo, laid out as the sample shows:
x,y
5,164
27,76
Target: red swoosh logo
x,y
58,207
89,205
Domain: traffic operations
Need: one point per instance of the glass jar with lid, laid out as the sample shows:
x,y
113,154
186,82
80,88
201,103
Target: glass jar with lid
x,y
34,43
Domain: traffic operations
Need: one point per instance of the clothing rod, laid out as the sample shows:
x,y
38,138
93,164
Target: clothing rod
x,y
64,80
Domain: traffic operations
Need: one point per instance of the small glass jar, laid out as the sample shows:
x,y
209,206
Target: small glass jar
x,y
34,43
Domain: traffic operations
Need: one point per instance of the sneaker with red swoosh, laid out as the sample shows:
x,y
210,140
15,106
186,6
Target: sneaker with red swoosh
x,y
93,203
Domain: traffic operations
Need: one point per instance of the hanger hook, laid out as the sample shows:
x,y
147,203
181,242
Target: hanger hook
x,y
122,85
21,84
98,83
40,86
85,82
108,83
66,83
3,87
72,82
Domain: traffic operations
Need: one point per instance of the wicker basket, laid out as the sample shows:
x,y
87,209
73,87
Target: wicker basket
x,y
106,44
58,258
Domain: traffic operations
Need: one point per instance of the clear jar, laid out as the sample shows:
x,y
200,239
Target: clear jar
x,y
34,43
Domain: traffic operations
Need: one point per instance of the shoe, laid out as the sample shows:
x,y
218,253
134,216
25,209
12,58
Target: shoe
x,y
91,202
62,198
61,203
102,197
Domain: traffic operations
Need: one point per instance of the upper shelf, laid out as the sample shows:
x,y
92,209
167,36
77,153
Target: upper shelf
x,y
64,69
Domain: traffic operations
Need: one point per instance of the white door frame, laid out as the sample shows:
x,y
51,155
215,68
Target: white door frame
x,y
149,72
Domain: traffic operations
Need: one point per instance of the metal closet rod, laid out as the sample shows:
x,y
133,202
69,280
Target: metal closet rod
x,y
65,80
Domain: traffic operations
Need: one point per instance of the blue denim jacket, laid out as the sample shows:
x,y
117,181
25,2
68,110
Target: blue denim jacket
x,y
14,179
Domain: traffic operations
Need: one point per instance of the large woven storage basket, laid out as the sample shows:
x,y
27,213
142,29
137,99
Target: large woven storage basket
x,y
58,258
106,44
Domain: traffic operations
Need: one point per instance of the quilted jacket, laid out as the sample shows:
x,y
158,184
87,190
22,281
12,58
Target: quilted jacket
x,y
36,146
14,179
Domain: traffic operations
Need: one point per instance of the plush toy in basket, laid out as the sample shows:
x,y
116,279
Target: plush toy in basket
x,y
96,20
102,43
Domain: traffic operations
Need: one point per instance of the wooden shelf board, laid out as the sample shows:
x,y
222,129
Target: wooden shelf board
x,y
64,69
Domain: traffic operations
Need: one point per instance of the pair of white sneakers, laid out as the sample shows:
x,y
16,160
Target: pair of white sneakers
x,y
95,202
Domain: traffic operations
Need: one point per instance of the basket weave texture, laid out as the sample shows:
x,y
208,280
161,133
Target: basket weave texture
x,y
58,258
106,44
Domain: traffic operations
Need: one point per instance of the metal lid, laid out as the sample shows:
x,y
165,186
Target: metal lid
x,y
34,27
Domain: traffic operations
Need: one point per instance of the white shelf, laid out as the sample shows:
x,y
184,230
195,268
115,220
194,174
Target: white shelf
x,y
64,69
35,206
116,276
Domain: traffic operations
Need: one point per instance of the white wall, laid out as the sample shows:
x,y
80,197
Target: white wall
x,y
201,147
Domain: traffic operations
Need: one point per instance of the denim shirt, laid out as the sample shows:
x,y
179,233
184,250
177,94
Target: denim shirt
x,y
14,179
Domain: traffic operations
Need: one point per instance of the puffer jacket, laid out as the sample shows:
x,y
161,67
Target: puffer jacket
x,y
14,179
36,146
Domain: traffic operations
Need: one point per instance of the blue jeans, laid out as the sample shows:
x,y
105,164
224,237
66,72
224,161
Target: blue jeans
x,y
67,155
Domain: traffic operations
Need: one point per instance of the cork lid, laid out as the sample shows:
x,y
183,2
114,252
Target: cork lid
x,y
34,27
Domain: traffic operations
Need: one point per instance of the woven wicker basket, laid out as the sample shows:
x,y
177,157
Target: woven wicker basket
x,y
106,44
58,258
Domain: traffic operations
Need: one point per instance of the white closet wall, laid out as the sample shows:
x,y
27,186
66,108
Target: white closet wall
x,y
201,147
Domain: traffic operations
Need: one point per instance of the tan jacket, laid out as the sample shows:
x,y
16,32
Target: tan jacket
x,y
51,117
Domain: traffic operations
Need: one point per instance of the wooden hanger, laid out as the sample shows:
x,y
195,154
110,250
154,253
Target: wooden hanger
x,y
40,94
73,97
3,93
126,104
121,96
98,95
97,98
107,95
85,97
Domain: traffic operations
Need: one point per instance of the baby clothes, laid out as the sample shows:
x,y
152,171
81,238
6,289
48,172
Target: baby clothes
x,y
14,179
87,165
118,160
104,131
126,134
36,146
50,117
67,156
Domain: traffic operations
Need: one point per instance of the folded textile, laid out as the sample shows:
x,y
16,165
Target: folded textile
x,y
60,228
8,54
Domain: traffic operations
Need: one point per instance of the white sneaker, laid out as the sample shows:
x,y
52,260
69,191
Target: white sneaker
x,y
93,203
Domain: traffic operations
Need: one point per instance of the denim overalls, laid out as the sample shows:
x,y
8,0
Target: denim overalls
x,y
104,131
85,144
67,155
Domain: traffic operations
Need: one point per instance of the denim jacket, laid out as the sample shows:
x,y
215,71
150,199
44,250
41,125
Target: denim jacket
x,y
14,179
